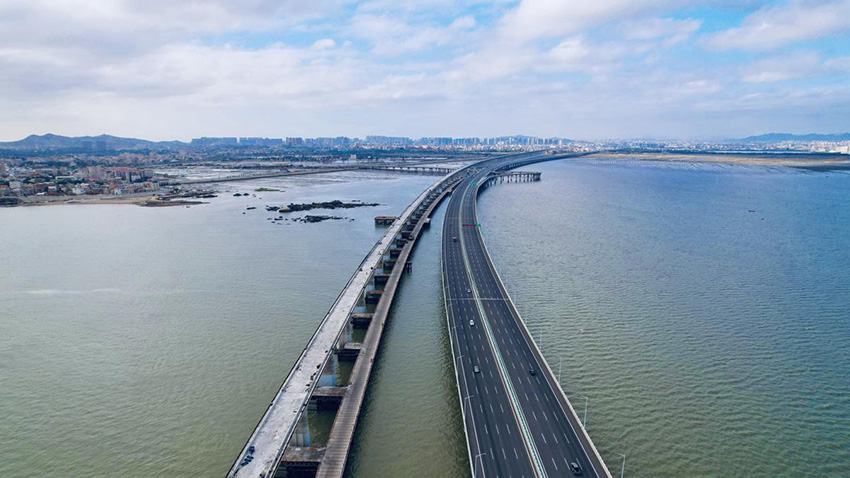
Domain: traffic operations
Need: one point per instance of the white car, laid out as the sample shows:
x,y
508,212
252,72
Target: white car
x,y
471,323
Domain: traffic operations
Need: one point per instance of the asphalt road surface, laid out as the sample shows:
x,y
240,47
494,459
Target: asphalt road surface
x,y
517,422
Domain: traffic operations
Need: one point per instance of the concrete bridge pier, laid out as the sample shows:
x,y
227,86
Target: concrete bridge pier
x,y
361,320
379,279
301,435
328,375
372,295
300,462
399,242
327,398
345,349
387,262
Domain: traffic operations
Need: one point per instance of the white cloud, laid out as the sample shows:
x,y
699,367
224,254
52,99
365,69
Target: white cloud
x,y
775,26
164,69
324,44
702,87
840,64
782,68
547,18
673,30
391,36
575,54
463,23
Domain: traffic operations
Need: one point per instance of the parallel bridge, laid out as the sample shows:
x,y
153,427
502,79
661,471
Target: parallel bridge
x,y
280,442
516,424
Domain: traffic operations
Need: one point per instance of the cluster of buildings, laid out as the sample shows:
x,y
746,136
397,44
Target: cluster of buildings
x,y
790,146
517,143
69,180
295,142
51,165
345,142
449,142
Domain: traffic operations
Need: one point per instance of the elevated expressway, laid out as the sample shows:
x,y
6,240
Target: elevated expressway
x,y
518,423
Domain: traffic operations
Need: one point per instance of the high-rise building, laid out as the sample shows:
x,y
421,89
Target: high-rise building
x,y
206,142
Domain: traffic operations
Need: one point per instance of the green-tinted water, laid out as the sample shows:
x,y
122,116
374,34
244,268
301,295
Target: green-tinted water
x,y
703,311
148,342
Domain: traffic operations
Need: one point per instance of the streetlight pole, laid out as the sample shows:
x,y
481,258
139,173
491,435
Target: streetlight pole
x,y
475,464
623,469
541,339
586,400
560,362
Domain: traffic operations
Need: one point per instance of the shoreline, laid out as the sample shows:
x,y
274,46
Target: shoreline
x,y
811,163
143,200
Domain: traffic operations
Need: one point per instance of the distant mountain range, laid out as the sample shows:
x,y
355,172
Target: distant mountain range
x,y
107,142
777,137
92,143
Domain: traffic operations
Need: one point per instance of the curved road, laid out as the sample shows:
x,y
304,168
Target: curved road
x,y
518,423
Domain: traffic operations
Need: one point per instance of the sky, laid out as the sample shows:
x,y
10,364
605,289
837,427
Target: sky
x,y
584,69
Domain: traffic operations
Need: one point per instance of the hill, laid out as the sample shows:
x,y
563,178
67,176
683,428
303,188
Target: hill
x,y
777,137
92,143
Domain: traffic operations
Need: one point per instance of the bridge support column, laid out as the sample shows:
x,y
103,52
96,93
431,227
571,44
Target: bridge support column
x,y
299,462
328,376
301,435
361,320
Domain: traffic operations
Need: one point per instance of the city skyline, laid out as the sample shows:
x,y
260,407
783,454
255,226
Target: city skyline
x,y
613,69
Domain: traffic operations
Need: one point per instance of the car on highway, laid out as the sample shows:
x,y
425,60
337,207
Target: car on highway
x,y
471,323
454,239
468,290
476,369
532,371
575,468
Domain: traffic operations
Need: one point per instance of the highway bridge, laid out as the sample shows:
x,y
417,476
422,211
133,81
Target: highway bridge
x,y
517,424
518,420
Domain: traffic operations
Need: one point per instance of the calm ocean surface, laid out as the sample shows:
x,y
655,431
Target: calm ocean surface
x,y
702,309
147,342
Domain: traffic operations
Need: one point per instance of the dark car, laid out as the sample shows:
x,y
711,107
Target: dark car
x,y
532,371
575,468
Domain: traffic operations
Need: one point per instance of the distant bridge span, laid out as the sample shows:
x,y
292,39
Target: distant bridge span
x,y
436,170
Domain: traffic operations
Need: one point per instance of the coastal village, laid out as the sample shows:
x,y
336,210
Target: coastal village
x,y
73,181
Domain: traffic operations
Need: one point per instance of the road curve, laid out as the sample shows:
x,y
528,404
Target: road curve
x,y
518,423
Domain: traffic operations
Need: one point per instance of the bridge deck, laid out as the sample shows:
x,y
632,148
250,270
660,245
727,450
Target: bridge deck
x,y
278,423
517,418
342,433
